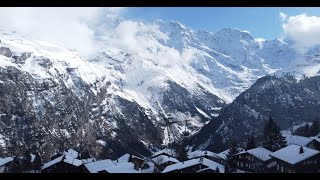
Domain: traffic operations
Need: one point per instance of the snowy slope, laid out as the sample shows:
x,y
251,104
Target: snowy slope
x,y
136,77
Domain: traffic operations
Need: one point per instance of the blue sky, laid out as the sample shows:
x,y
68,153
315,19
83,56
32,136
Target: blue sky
x,y
261,22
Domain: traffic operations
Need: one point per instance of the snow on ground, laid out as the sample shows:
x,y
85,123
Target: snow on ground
x,y
2,141
289,131
101,142
203,113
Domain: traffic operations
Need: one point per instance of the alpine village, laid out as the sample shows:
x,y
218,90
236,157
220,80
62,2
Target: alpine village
x,y
276,153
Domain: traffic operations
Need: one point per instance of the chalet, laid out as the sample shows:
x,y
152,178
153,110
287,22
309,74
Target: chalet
x,y
205,154
302,141
162,161
65,163
317,143
166,152
254,160
198,165
99,166
138,161
223,155
4,162
294,158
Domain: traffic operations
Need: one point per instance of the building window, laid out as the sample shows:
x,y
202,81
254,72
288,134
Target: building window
x,y
237,163
281,168
290,171
310,162
278,167
241,164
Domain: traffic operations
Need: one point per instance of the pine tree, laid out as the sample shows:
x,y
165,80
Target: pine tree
x,y
272,138
315,128
306,130
231,161
251,144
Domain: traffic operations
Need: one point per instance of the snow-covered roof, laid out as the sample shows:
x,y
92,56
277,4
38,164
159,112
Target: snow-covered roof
x,y
125,158
317,137
164,151
199,153
89,160
68,158
6,160
259,152
71,153
97,166
73,161
298,140
210,164
223,154
52,162
163,159
291,154
124,167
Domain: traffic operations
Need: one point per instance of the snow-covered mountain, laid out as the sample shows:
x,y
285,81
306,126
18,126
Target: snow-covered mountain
x,y
53,98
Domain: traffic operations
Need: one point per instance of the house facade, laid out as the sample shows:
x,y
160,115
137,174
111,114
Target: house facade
x,y
255,160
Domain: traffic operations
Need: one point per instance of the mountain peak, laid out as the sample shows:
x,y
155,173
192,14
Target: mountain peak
x,y
234,33
172,24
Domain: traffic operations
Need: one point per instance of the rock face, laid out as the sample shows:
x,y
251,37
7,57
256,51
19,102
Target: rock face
x,y
115,100
53,99
289,101
5,51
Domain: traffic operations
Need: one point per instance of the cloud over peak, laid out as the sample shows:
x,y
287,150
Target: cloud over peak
x,y
69,26
303,29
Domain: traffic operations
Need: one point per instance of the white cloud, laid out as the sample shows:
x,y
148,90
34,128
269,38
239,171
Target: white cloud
x,y
67,26
283,16
304,30
137,38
